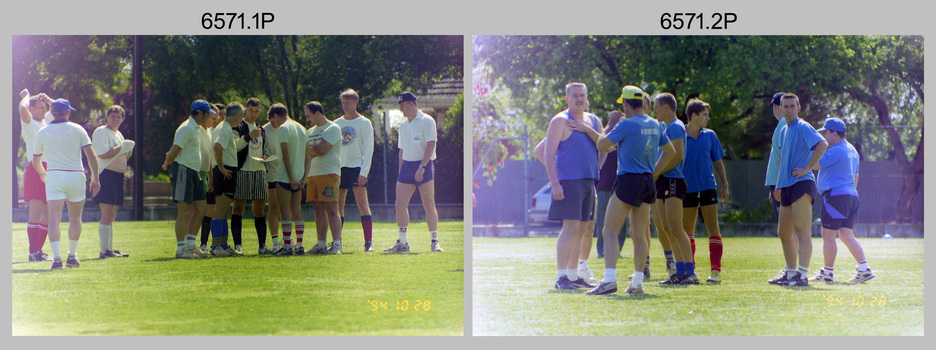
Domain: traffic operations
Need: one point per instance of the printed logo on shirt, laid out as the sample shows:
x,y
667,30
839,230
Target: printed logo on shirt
x,y
347,135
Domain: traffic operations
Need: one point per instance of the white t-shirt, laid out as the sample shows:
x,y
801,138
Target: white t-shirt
x,y
224,135
357,143
414,135
60,145
328,163
273,149
188,137
255,149
29,131
207,152
294,135
103,139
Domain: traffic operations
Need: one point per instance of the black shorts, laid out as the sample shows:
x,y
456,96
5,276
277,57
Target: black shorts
x,y
775,204
349,177
839,210
667,187
701,198
635,189
210,199
271,185
578,202
790,194
224,186
112,189
408,173
187,185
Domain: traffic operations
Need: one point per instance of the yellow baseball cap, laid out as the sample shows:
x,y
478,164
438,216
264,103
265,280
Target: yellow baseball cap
x,y
631,92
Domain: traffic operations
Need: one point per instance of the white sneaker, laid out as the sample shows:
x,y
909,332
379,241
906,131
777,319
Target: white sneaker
x,y
334,248
187,253
318,248
220,252
587,274
435,247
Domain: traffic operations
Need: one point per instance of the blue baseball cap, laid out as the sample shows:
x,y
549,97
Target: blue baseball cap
x,y
834,124
61,105
406,96
776,98
202,106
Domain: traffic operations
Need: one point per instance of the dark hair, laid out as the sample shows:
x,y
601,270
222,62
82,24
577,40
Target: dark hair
x,y
115,108
839,133
277,109
350,93
35,99
253,102
634,103
696,106
788,96
315,106
667,99
219,105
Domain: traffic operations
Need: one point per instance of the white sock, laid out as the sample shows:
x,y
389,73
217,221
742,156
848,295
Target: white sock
x,y
560,273
402,235
863,266
321,242
638,279
572,274
610,275
73,247
104,233
190,240
337,241
181,245
827,270
583,264
56,250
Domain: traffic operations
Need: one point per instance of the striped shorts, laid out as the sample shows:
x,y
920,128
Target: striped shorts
x,y
251,185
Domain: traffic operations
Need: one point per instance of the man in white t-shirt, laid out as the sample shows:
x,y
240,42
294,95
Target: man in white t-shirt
x,y
33,111
290,177
183,161
357,150
323,160
61,144
251,178
272,149
224,178
112,151
417,141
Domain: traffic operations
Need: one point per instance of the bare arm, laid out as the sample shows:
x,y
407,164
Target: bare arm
x,y
553,137
24,113
427,157
37,165
92,162
540,151
171,156
321,148
723,177
287,162
110,152
668,153
219,159
677,157
818,151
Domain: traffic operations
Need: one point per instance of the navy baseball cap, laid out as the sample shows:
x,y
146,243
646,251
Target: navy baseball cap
x,y
202,106
776,98
406,96
61,105
834,124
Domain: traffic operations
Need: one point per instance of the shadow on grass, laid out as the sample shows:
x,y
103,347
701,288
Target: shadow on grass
x,y
32,271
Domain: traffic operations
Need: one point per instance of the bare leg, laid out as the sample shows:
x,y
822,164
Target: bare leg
x,y
640,223
586,231
403,194
802,227
342,200
567,245
614,219
334,220
273,217
829,247
847,236
427,195
787,239
321,220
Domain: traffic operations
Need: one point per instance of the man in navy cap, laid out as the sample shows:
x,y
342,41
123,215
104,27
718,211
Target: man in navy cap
x,y
837,182
60,144
188,190
417,141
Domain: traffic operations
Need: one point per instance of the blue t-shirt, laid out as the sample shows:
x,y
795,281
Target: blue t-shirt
x,y
700,153
839,165
799,141
577,156
676,130
638,142
774,153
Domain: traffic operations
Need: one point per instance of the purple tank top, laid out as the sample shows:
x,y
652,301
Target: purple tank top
x,y
577,156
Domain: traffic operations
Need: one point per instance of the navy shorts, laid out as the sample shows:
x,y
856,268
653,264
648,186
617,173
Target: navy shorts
x,y
112,189
349,177
187,185
788,195
408,173
224,186
839,209
667,187
578,202
635,189
701,198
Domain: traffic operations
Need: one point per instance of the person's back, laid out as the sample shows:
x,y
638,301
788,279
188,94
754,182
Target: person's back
x,y
61,145
638,140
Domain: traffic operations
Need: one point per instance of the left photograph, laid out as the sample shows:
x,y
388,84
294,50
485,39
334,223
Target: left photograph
x,y
237,185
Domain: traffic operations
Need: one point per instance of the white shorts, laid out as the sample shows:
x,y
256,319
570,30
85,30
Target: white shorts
x,y
67,185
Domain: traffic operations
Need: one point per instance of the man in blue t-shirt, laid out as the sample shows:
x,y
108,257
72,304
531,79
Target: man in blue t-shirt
x,y
838,181
638,139
801,148
771,179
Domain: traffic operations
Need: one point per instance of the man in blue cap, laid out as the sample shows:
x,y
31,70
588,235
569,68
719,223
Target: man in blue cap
x,y
60,145
188,190
837,182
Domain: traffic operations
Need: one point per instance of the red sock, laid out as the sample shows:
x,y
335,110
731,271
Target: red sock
x,y
300,227
32,232
692,241
715,252
368,227
287,232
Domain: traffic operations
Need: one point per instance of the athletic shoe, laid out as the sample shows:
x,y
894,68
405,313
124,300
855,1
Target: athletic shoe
x,y
220,252
72,261
822,277
300,250
634,290
581,283
201,253
435,246
587,274
673,279
671,268
398,248
564,283
284,251
690,279
39,256
862,277
334,248
318,248
797,281
238,250
264,251
188,253
603,288
119,254
111,254
204,248
715,277
646,275
56,265
779,279
368,246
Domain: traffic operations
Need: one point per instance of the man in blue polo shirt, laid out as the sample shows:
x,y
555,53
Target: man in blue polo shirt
x,y
800,150
838,180
771,179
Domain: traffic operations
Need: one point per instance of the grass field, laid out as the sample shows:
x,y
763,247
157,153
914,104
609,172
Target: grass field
x,y
152,293
513,293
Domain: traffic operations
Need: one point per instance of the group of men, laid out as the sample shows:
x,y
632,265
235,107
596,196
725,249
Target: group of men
x,y
220,157
55,177
670,166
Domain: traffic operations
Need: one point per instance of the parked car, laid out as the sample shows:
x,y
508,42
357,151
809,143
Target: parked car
x,y
539,206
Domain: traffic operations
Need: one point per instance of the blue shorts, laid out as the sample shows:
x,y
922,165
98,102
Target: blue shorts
x,y
839,209
578,202
790,194
408,173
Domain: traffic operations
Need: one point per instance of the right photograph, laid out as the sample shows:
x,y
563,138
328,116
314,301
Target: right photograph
x,y
697,185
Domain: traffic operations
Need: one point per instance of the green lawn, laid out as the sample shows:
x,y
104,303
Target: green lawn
x,y
152,293
513,293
